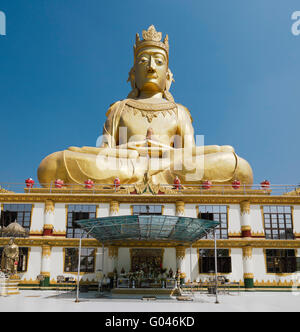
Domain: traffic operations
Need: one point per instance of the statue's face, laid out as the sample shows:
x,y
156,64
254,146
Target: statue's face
x,y
151,67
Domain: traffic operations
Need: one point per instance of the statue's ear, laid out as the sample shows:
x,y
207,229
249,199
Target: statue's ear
x,y
169,80
131,78
167,95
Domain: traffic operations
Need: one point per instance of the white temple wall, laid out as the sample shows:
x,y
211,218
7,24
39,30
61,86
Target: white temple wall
x,y
234,219
103,210
57,263
190,211
37,217
257,224
191,264
259,265
34,264
124,259
60,217
169,260
99,258
125,209
237,273
107,262
169,209
296,219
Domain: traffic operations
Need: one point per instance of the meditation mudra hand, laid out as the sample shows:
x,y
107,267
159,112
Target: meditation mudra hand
x,y
147,133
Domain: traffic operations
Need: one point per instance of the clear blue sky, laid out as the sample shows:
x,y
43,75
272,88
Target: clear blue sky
x,y
236,66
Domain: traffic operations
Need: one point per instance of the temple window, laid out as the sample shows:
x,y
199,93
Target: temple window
x,y
278,222
216,213
87,262
147,209
281,260
23,258
79,212
16,212
207,261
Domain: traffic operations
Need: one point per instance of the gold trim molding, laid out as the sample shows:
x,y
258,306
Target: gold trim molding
x,y
234,234
113,252
268,283
45,274
258,234
38,241
49,206
180,208
82,198
180,252
48,226
46,251
247,252
246,228
114,207
245,207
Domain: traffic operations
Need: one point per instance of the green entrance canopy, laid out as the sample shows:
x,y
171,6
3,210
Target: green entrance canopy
x,y
147,227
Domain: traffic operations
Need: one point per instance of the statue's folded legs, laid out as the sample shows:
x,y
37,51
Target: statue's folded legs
x,y
75,168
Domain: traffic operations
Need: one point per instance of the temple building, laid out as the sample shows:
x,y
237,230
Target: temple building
x,y
146,204
258,235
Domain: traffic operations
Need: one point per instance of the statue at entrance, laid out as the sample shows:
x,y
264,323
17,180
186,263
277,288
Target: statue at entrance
x,y
10,258
147,137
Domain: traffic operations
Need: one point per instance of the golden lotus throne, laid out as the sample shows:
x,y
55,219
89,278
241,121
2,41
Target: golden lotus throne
x,y
147,137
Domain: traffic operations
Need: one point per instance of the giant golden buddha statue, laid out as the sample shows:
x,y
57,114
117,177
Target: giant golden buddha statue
x,y
147,137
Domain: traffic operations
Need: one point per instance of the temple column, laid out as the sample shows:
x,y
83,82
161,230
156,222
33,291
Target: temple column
x,y
180,255
180,208
248,268
48,218
113,263
113,251
113,258
114,208
45,265
245,218
180,250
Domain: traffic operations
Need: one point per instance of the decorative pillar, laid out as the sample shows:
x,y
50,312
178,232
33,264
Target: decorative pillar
x,y
245,219
45,266
113,258
48,218
248,268
114,208
180,255
180,208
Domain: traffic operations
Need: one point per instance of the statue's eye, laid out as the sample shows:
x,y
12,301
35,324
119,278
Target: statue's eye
x,y
159,61
143,60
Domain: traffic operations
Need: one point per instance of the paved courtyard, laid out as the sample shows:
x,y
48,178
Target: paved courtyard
x,y
41,301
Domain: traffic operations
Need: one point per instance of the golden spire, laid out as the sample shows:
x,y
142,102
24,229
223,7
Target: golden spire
x,y
151,38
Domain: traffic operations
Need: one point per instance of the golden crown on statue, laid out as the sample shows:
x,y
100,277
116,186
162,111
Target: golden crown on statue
x,y
151,38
